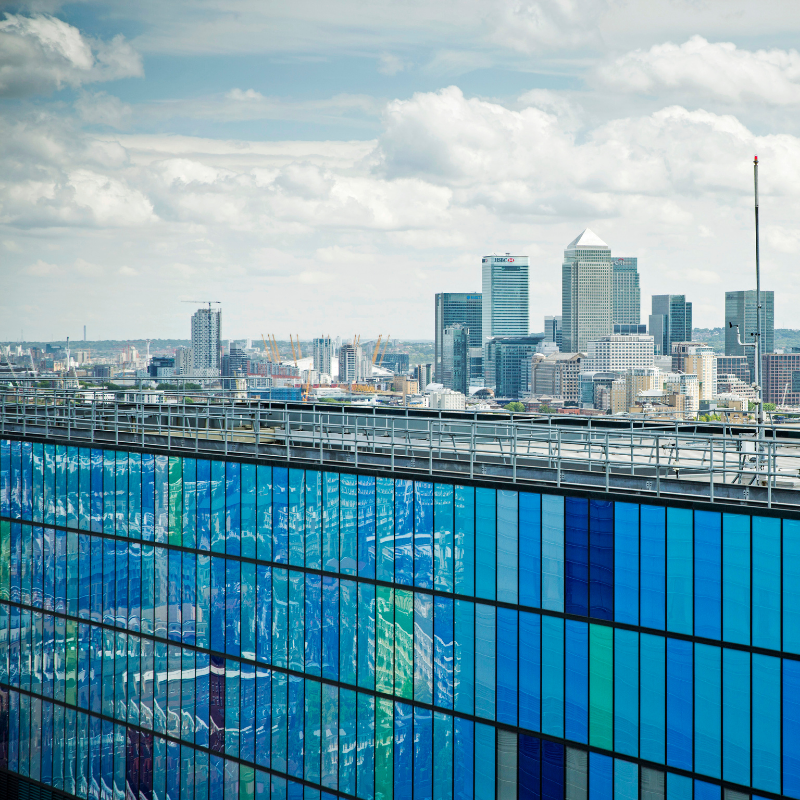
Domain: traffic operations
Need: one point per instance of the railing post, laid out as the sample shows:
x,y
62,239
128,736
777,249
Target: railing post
x,y
711,468
355,440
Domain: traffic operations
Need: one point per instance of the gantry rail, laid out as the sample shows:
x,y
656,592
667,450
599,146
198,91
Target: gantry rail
x,y
713,462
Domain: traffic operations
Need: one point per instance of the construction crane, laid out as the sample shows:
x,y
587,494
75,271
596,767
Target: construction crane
x,y
294,352
386,344
377,347
275,350
269,355
299,349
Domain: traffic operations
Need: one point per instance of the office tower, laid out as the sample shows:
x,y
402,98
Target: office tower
x,y
206,341
351,363
235,362
670,321
455,358
696,358
322,348
161,367
463,308
423,375
740,309
586,292
626,300
627,328
780,378
505,357
505,302
733,365
553,330
558,375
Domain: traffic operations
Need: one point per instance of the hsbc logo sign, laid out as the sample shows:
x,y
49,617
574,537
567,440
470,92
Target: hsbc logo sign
x,y
499,260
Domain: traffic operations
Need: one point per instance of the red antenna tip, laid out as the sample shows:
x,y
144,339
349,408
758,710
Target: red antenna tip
x,y
755,160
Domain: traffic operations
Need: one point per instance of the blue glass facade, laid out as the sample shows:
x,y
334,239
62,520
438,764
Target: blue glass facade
x,y
191,629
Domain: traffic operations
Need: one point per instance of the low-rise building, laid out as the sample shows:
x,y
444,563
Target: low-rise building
x,y
780,378
699,359
557,375
447,400
619,352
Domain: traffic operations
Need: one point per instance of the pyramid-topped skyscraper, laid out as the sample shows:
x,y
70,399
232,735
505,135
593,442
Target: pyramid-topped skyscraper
x,y
586,292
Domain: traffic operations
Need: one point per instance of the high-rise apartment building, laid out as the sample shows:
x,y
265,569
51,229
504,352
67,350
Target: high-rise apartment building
x,y
553,330
322,349
460,308
455,358
352,363
670,321
505,358
184,360
206,341
740,309
626,298
423,375
505,302
586,292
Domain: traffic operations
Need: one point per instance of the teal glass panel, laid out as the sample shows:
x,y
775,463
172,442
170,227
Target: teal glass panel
x,y
464,522
384,529
626,692
766,612
652,693
423,647
366,636
314,519
766,724
791,585
443,537
248,509
330,521
464,656
264,513
736,578
297,513
486,543
707,710
348,524
736,716
552,552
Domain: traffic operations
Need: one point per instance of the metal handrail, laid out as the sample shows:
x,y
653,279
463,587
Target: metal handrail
x,y
667,460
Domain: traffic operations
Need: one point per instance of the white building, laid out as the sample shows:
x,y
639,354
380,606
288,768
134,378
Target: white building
x,y
206,341
447,400
184,362
619,352
323,355
698,359
685,384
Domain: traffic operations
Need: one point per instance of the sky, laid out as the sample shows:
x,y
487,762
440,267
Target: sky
x,y
325,168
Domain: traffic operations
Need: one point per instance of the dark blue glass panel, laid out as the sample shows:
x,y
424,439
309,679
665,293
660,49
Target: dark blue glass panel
x,y
384,523
485,543
109,581
97,491
679,703
330,628
601,558
247,509
348,627
263,721
403,751
653,562
552,771
217,621
404,532
736,578
233,609
530,767
366,526
576,555
313,601
791,728
297,514
626,692
216,704
366,635
423,534
188,598
313,519
233,508
706,791
330,521
295,714
189,507
264,512
680,582
576,681
280,515
530,549
218,506
507,666
652,675
148,496
264,614
109,491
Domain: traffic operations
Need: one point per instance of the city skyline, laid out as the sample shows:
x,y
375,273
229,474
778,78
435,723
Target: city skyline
x,y
149,160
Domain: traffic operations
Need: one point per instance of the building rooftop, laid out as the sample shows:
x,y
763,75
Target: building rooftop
x,y
587,238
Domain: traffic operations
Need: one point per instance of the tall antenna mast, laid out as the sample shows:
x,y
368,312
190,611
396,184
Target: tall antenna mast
x,y
757,370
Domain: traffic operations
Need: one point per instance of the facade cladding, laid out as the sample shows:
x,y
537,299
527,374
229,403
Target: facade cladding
x,y
182,628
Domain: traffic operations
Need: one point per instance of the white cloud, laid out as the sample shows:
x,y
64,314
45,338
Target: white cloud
x,y
709,69
99,108
390,64
40,53
41,269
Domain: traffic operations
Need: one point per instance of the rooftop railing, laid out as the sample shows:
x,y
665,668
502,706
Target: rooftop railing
x,y
715,462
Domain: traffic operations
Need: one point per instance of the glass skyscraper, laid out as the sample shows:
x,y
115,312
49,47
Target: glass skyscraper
x,y
587,292
505,302
460,308
626,301
670,321
740,309
197,629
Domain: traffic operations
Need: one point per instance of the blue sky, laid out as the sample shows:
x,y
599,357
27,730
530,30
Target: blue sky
x,y
328,167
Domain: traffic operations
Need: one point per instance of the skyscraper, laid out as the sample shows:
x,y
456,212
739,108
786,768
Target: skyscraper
x,y
323,353
462,308
740,309
586,292
670,321
455,358
553,330
206,333
505,302
626,299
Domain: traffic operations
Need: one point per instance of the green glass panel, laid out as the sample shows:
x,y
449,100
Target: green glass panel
x,y
404,643
247,782
384,734
384,655
72,662
175,500
601,686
